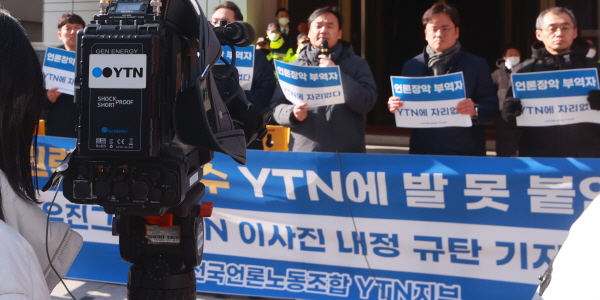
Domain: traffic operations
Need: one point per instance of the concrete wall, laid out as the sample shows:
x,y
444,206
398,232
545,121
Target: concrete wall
x,y
53,9
30,14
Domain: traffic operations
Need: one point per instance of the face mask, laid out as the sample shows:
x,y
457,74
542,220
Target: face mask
x,y
274,36
284,21
303,46
591,53
512,61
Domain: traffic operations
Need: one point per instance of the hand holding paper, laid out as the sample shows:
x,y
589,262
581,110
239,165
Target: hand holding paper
x,y
53,94
594,99
466,107
300,111
511,109
394,103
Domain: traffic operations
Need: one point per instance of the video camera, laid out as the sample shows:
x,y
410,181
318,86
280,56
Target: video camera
x,y
151,113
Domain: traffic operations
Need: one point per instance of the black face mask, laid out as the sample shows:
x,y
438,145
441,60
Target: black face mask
x,y
265,51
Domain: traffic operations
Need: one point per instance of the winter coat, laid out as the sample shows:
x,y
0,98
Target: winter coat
x,y
29,221
573,140
263,83
20,272
332,128
501,78
478,86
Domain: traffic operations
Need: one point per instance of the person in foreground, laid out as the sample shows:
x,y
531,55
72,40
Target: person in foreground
x,y
331,128
25,272
573,272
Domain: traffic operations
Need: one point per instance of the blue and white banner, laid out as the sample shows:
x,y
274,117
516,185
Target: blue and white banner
x,y
358,226
244,62
59,70
555,97
316,86
430,101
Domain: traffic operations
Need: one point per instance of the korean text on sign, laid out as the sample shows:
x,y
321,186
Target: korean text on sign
x,y
430,101
315,86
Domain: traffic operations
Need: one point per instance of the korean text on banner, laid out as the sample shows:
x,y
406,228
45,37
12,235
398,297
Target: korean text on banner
x,y
555,97
316,86
244,62
59,70
430,101
300,225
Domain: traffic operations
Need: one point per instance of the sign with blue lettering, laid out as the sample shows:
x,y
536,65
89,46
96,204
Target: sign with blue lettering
x,y
244,62
555,97
316,86
430,101
59,70
356,226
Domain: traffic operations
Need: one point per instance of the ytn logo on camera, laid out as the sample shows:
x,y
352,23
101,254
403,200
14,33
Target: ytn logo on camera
x,y
117,71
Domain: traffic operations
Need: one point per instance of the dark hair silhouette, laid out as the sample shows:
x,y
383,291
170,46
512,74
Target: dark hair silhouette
x,y
327,9
70,18
21,94
237,13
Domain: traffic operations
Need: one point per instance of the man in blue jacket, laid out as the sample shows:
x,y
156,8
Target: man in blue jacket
x,y
331,128
444,55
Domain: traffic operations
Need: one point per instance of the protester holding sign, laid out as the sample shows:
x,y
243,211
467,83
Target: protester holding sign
x,y
62,110
335,127
444,55
556,49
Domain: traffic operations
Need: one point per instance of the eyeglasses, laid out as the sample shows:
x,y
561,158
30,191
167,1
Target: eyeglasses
x,y
443,30
554,29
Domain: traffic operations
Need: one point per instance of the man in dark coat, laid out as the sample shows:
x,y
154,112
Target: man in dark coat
x,y
557,48
331,128
61,118
444,55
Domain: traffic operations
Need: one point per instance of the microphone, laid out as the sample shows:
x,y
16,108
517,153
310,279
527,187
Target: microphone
x,y
239,33
325,47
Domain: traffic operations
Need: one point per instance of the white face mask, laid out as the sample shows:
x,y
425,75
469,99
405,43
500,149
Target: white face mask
x,y
591,53
284,21
512,61
274,36
303,46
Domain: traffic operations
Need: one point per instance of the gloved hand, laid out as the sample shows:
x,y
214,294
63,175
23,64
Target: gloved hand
x,y
511,109
594,99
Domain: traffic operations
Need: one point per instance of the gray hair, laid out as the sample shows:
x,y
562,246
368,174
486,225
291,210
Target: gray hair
x,y
556,11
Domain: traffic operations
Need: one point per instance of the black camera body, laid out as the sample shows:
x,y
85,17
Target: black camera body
x,y
151,114
131,67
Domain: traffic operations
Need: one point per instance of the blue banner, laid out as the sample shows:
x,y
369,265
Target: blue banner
x,y
430,102
60,59
556,97
59,70
311,77
567,83
315,86
431,88
244,56
364,226
244,62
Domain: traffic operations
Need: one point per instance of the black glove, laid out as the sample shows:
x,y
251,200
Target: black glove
x,y
594,99
511,109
